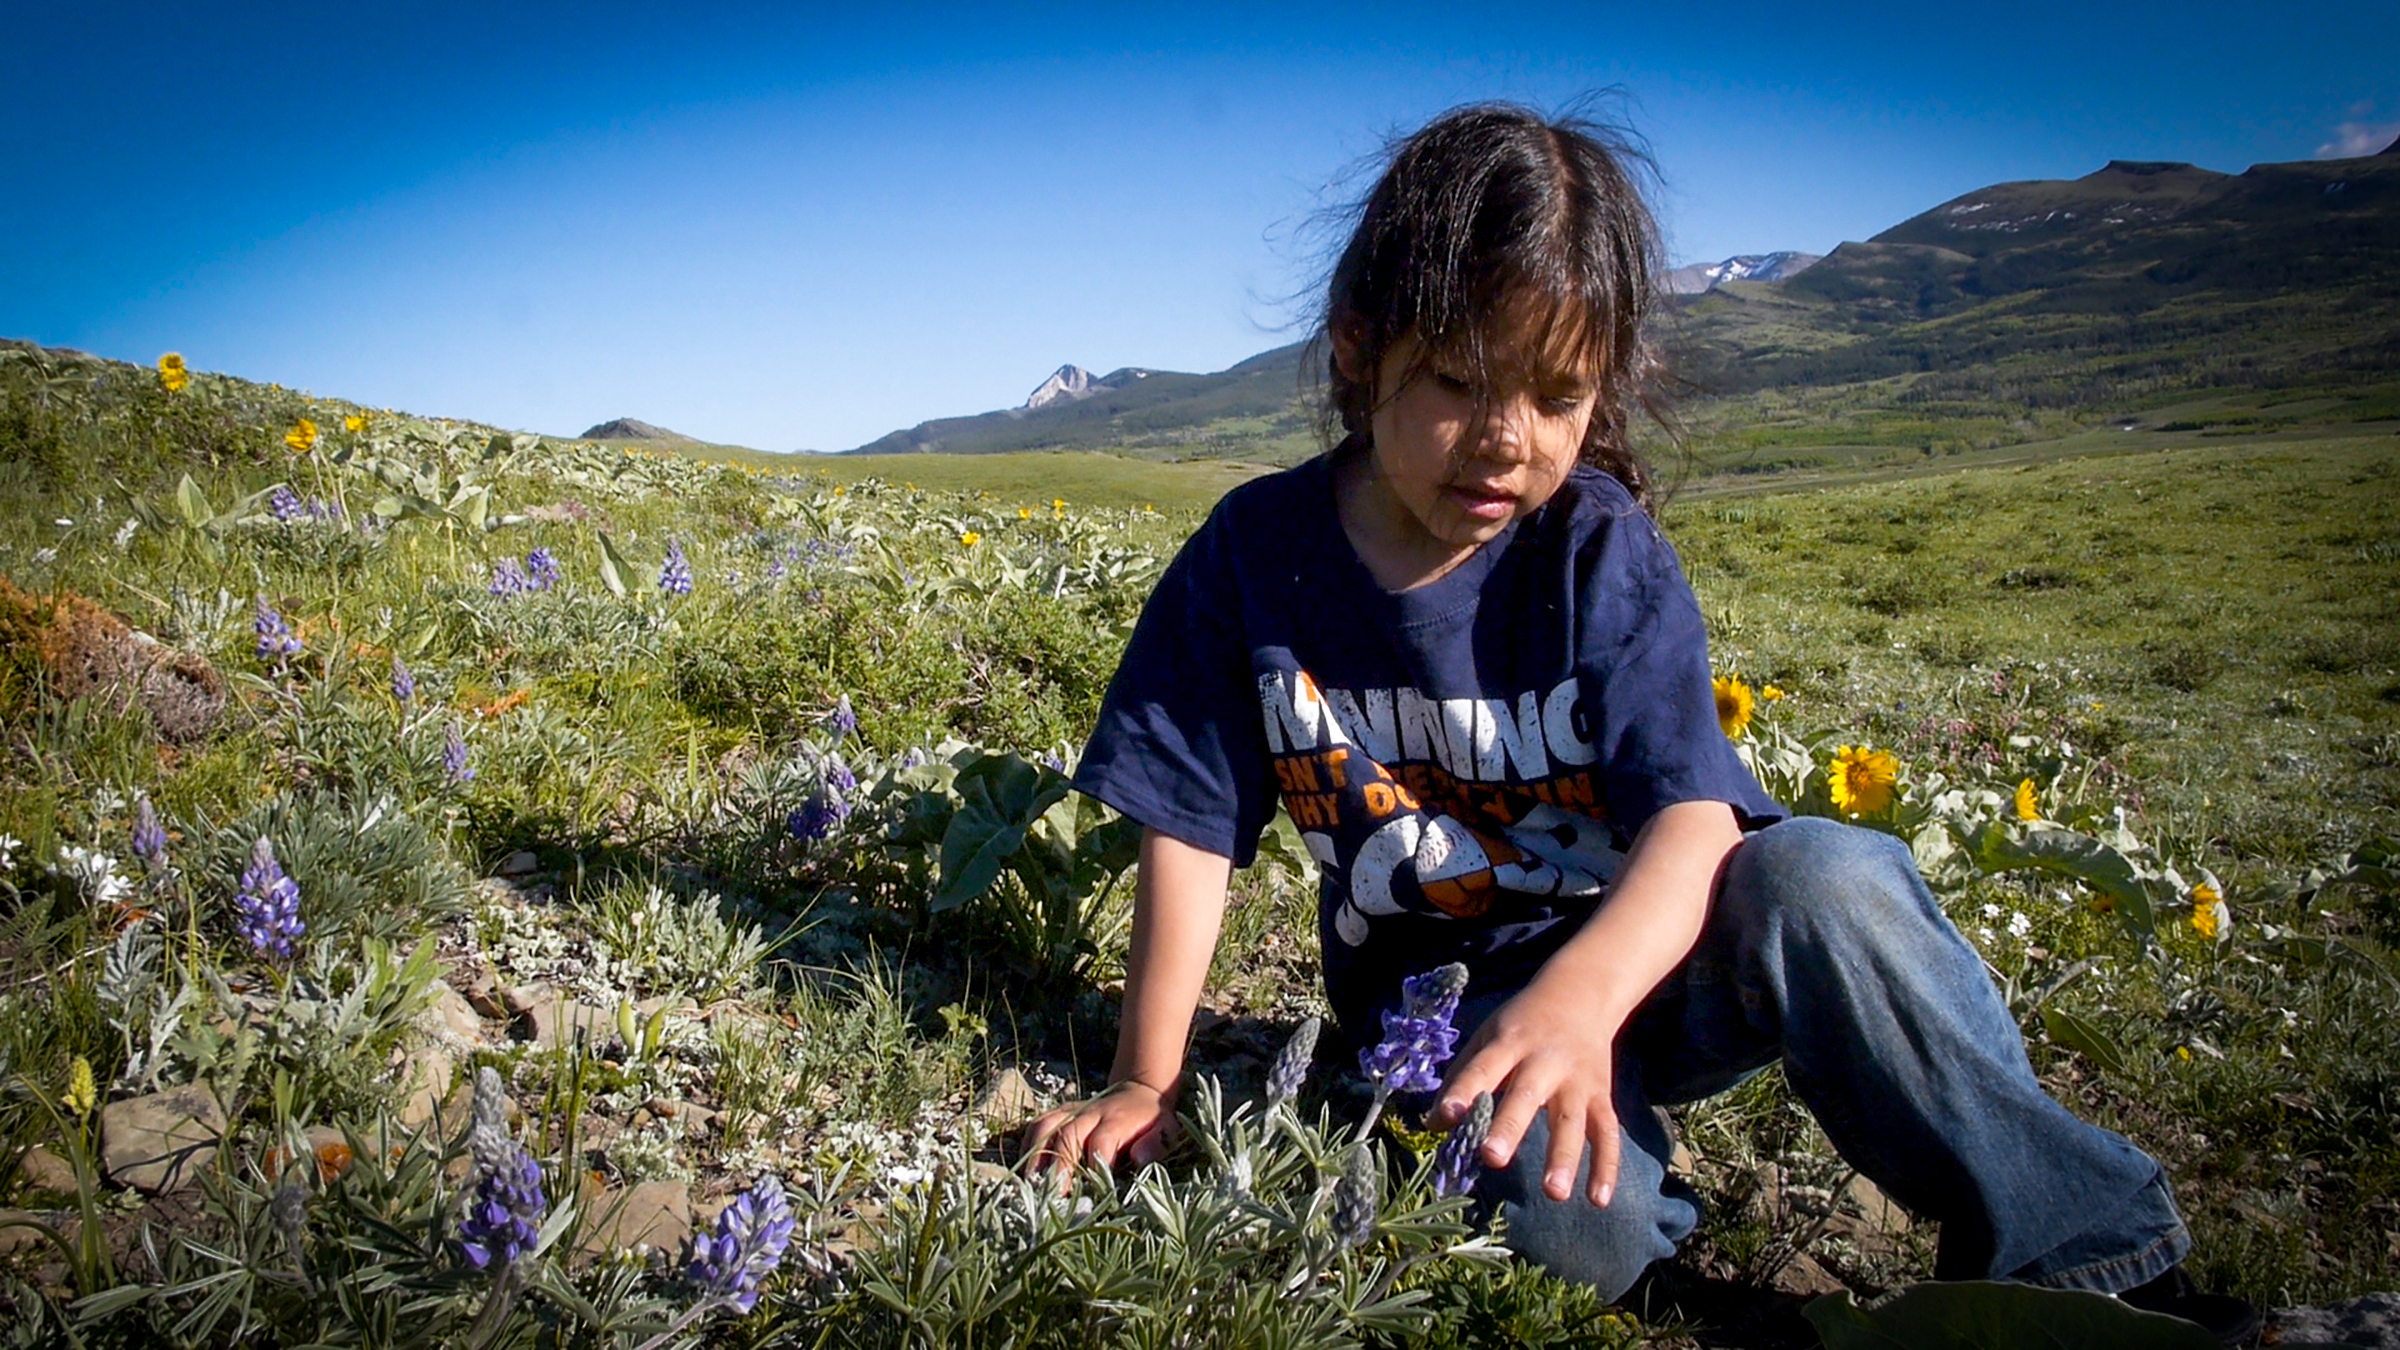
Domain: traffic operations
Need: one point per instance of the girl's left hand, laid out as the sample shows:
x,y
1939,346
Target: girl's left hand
x,y
1542,1052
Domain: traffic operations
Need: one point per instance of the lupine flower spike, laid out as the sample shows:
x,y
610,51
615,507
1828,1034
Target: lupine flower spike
x,y
504,1216
1354,1198
541,569
404,683
454,755
1291,1066
268,908
748,1244
285,505
1418,1039
841,721
1457,1162
276,641
149,836
675,578
508,578
817,816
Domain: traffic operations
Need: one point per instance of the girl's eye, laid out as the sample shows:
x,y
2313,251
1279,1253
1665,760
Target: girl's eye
x,y
1559,405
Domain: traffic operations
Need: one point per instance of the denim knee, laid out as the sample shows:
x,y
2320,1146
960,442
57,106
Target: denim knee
x,y
1574,1239
1823,880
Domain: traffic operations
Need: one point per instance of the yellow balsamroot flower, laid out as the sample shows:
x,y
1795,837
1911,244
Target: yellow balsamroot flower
x,y
173,373
82,1092
302,437
1771,694
1734,705
1058,506
1861,778
2210,916
2029,802
970,539
2183,1052
1024,513
356,421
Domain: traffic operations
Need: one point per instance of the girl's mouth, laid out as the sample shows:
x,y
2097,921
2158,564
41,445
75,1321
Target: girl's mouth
x,y
1483,503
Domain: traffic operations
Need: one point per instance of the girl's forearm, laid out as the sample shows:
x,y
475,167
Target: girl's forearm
x,y
1654,911
1179,903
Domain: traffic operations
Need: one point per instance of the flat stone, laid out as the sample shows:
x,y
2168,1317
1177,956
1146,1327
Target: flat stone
x,y
654,1214
520,863
162,1141
431,1076
553,1021
2371,1321
17,1233
1802,1276
1879,1213
451,1015
1008,1099
677,1003
482,991
42,1170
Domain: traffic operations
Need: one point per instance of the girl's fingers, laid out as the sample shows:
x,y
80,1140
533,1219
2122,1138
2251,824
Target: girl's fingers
x,y
1478,1070
1513,1117
1566,1151
1607,1140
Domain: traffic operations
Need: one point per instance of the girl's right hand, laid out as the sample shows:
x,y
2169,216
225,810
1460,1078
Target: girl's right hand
x,y
1130,1121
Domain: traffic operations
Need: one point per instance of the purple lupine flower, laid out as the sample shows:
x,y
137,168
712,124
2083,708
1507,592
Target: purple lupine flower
x,y
503,1218
1050,760
149,836
839,780
675,578
404,683
322,510
775,568
1458,1161
285,504
268,908
508,578
1354,1198
454,754
748,1244
1291,1065
276,641
842,720
816,817
1418,1039
541,569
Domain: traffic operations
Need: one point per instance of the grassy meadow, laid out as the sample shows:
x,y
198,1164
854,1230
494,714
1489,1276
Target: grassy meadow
x,y
729,834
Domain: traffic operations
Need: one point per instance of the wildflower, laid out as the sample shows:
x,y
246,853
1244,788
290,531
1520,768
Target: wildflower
x,y
2209,912
276,641
149,837
302,437
454,754
173,373
1058,506
839,779
842,720
1291,1065
284,504
1457,1162
124,534
817,816
1024,513
969,539
1418,1039
355,422
2028,802
94,873
1354,1199
2020,926
747,1245
1860,779
2183,1052
9,844
404,683
1772,694
83,1091
503,1219
675,578
1734,705
541,569
508,578
268,907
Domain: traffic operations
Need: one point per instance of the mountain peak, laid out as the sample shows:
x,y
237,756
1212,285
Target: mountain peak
x,y
1699,277
631,429
2392,149
1067,384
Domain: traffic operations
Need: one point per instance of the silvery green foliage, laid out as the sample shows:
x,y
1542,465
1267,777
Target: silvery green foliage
x,y
677,944
1244,1247
139,1009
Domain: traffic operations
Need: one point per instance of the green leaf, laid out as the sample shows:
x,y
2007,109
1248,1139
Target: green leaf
x,y
1997,848
973,852
1982,1315
2084,1038
191,503
612,567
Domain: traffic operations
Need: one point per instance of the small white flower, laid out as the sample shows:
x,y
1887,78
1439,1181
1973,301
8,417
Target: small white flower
x,y
2019,924
9,844
43,557
124,533
63,523
94,872
1991,911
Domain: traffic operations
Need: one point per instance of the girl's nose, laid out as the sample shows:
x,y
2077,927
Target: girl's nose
x,y
1508,428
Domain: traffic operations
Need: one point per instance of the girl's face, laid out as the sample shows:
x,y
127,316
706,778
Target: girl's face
x,y
1452,464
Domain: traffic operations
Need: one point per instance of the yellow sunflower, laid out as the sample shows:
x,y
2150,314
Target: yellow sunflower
x,y
1734,705
2209,912
173,373
2029,802
356,421
1861,778
1771,694
970,539
302,437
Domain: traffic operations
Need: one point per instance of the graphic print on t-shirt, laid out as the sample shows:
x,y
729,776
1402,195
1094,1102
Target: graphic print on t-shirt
x,y
1467,808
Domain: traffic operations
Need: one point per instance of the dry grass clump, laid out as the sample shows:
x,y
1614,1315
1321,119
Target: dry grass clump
x,y
81,650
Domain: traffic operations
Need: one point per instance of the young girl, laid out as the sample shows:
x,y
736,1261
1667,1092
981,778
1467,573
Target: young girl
x,y
1458,652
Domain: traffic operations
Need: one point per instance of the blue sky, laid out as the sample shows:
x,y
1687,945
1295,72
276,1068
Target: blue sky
x,y
791,228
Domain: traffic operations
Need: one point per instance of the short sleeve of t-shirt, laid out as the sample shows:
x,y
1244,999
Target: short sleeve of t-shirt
x,y
1646,672
1176,745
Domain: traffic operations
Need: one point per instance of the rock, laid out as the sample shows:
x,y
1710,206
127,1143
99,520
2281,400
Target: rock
x,y
1008,1100
655,1214
674,1003
1803,1277
481,988
551,1018
991,1174
42,1170
17,1233
1877,1212
2371,1321
430,1080
451,1015
520,863
162,1141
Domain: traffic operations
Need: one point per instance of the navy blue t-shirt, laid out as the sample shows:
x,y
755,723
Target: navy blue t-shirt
x,y
1466,760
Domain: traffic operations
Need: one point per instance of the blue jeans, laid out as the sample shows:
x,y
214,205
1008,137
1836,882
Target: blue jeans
x,y
1825,948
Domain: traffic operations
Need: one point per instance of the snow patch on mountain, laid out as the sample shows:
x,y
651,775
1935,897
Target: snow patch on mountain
x,y
1699,277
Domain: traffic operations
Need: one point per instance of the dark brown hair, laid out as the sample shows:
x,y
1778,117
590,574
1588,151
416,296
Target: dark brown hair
x,y
1489,213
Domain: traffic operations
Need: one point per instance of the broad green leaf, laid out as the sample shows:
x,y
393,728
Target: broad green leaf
x,y
973,852
2084,1038
1997,848
1984,1315
191,503
612,567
